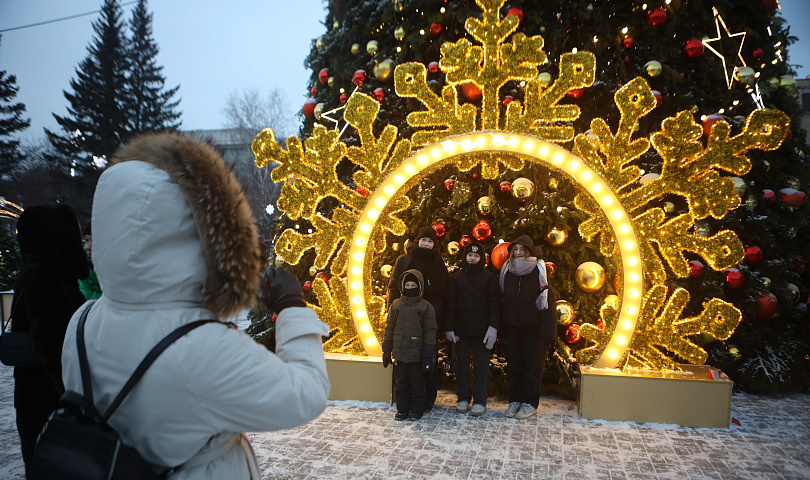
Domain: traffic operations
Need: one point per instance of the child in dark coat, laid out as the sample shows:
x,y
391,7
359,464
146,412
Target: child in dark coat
x,y
473,309
410,335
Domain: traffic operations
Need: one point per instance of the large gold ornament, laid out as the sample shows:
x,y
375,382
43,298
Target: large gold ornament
x,y
453,248
523,189
695,169
384,70
484,205
565,312
590,276
386,270
557,237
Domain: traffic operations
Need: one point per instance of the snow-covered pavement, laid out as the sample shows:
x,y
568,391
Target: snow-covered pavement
x,y
355,440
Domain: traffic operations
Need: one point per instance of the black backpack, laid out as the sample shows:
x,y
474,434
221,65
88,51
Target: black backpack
x,y
78,443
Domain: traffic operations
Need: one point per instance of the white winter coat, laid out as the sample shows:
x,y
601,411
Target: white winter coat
x,y
194,402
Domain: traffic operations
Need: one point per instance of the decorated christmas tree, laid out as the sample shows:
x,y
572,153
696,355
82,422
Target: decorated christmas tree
x,y
683,110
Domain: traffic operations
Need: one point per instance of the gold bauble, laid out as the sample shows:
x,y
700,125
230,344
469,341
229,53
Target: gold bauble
x,y
669,207
399,5
794,292
648,177
745,75
553,183
734,352
372,46
766,282
453,248
544,78
751,200
318,111
739,185
791,233
335,25
523,189
789,84
793,182
319,44
702,229
386,270
565,312
653,68
612,301
355,48
590,276
312,271
557,237
767,166
399,33
384,70
484,205
395,247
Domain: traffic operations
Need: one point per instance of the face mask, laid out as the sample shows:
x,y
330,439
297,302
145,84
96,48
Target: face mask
x,y
411,292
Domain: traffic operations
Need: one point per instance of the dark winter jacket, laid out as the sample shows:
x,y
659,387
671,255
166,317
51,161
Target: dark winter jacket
x,y
473,300
519,309
430,264
411,324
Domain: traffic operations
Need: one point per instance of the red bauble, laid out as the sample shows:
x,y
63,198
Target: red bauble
x,y
768,196
379,94
323,276
758,54
307,286
617,282
471,92
313,91
344,97
433,67
696,268
309,108
734,278
505,186
572,334
464,240
628,41
753,254
788,135
792,197
507,100
797,263
436,28
499,254
707,124
440,228
482,230
575,92
359,77
275,317
362,191
551,269
695,48
767,305
657,17
600,323
770,6
659,99
626,59
449,184
323,76
517,12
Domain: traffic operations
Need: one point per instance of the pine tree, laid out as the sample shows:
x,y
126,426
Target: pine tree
x,y
768,351
152,106
11,122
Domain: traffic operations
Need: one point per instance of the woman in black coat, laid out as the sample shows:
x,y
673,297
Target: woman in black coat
x,y
529,324
46,293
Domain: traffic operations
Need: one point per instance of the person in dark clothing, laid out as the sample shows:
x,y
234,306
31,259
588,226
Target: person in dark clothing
x,y
410,335
46,294
423,255
473,312
529,325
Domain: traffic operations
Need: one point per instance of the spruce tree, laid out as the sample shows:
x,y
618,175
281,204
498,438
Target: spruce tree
x,y
660,43
152,106
11,122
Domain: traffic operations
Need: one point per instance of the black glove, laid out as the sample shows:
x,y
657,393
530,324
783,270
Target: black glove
x,y
280,289
386,359
427,358
387,347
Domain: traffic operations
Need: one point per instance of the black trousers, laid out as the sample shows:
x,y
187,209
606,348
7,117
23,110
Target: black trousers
x,y
35,398
410,387
480,356
525,361
431,384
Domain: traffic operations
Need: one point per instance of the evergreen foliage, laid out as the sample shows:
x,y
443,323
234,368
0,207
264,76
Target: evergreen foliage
x,y
11,122
10,257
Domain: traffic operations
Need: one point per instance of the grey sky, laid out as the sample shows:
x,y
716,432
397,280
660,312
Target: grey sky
x,y
210,48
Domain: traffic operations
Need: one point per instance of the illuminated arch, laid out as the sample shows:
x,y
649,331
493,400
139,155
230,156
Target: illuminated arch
x,y
536,151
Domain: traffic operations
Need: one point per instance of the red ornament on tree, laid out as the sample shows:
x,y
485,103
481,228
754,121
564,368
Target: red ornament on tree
x,y
471,92
359,77
362,191
572,334
575,92
507,100
464,240
758,54
482,230
379,94
440,228
708,122
344,97
628,41
275,317
600,323
505,187
499,254
309,108
696,268
626,59
551,269
792,197
659,99
768,196
449,184
433,67
767,305
770,6
657,17
436,28
617,282
694,48
313,91
753,254
323,76
518,12
734,278
323,276
307,286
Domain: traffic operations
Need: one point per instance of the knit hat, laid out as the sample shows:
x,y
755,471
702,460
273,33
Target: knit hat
x,y
474,247
524,240
427,232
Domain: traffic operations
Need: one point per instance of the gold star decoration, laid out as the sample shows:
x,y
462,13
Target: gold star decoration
x,y
730,63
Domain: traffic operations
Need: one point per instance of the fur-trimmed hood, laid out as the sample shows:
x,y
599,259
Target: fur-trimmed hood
x,y
172,225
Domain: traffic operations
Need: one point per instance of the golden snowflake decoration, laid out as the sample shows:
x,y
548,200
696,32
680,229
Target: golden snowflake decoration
x,y
690,169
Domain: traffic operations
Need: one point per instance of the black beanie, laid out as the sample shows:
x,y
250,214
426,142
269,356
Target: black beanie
x,y
427,232
475,247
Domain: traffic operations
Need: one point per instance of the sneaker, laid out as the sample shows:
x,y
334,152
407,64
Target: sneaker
x,y
525,412
513,409
462,407
400,416
478,410
414,416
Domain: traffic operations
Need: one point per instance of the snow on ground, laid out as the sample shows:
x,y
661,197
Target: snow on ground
x,y
360,440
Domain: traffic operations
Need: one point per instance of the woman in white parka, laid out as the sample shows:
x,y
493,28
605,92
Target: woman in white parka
x,y
174,242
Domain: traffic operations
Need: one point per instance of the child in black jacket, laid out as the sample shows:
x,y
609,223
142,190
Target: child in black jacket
x,y
473,312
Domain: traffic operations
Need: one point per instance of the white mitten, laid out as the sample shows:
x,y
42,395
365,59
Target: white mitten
x,y
489,338
451,336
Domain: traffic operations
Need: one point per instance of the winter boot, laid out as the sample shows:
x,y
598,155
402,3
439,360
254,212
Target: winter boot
x,y
478,410
462,406
513,409
400,416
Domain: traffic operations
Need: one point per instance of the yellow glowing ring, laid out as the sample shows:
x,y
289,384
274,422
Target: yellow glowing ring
x,y
540,152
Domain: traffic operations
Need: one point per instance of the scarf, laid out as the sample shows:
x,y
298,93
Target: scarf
x,y
523,266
